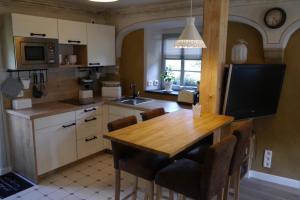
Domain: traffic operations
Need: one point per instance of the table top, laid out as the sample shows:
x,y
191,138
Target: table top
x,y
171,133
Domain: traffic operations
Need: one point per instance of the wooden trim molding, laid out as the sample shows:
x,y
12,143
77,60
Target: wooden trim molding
x,y
275,179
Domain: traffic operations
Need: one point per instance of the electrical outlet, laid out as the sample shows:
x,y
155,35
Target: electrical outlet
x,y
149,83
155,82
268,158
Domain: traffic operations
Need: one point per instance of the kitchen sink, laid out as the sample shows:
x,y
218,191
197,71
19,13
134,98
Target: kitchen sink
x,y
133,101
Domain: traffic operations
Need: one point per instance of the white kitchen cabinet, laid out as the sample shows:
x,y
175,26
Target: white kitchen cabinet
x,y
88,127
114,113
89,145
101,45
55,147
72,32
33,26
89,131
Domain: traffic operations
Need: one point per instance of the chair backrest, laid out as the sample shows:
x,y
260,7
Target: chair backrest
x,y
152,113
243,135
216,167
119,150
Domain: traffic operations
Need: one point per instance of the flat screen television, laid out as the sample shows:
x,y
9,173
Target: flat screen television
x,y
252,91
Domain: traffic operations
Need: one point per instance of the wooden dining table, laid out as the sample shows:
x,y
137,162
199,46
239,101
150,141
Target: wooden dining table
x,y
170,134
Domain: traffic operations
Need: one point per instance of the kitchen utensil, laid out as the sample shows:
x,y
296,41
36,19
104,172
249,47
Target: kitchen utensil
x,y
11,87
42,83
72,59
35,90
26,83
60,60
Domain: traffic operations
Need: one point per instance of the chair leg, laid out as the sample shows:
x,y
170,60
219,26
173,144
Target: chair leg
x,y
151,190
237,185
221,195
181,197
227,186
135,189
158,192
171,195
117,184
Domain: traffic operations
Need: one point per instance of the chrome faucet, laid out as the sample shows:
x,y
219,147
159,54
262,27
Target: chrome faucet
x,y
133,90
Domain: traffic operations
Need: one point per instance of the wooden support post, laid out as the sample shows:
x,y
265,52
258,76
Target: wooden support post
x,y
215,18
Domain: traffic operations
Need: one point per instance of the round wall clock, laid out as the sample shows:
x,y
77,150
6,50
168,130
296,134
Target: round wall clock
x,y
275,18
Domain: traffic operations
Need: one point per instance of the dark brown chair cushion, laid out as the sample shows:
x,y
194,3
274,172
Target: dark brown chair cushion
x,y
198,150
119,150
137,162
121,123
144,164
152,114
200,181
243,139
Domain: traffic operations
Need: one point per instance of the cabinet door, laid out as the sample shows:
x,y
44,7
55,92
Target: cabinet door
x,y
71,32
32,26
101,45
55,147
89,126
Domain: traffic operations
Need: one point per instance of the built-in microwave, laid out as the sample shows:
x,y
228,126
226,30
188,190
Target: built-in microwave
x,y
32,53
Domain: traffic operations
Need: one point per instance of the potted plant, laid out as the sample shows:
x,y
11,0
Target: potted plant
x,y
168,78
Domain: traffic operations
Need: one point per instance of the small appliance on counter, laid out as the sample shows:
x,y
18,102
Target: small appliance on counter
x,y
21,103
187,96
86,93
111,89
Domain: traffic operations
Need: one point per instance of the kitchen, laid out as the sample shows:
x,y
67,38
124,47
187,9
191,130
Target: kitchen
x,y
61,90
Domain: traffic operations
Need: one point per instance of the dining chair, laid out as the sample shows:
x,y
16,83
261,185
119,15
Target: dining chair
x,y
133,161
152,113
240,154
199,181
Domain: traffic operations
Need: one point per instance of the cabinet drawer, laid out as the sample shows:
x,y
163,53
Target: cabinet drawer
x,y
55,147
89,145
88,112
88,126
54,120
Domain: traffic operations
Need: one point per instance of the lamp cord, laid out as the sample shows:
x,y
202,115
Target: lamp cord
x,y
191,8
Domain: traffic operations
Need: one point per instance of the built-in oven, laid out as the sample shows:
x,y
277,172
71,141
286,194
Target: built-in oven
x,y
32,53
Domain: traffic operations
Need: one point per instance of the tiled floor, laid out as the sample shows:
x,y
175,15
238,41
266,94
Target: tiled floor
x,y
94,179
90,180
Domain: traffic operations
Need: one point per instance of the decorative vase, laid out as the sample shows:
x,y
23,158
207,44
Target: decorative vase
x,y
168,85
239,54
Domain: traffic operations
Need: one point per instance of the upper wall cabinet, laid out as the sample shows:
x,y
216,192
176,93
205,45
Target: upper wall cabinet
x,y
101,45
71,32
32,26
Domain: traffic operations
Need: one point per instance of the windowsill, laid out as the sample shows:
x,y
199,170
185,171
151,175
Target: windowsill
x,y
163,92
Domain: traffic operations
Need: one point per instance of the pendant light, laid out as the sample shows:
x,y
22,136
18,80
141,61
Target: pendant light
x,y
190,37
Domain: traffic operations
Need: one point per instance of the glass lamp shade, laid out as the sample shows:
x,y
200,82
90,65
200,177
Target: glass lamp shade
x,y
190,37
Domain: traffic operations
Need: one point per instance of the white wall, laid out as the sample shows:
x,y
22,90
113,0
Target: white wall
x,y
152,57
153,51
4,161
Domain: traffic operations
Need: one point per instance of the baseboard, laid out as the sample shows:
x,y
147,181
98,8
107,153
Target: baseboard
x,y
275,179
5,171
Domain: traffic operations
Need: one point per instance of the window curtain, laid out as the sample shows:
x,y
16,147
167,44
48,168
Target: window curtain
x,y
170,52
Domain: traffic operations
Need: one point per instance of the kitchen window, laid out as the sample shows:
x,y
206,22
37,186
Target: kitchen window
x,y
184,63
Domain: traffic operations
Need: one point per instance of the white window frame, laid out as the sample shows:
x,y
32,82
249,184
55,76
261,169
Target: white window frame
x,y
182,71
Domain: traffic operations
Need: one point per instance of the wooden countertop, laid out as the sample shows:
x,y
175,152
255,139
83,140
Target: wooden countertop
x,y
53,108
169,134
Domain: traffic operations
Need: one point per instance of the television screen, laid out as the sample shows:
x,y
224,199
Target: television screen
x,y
252,90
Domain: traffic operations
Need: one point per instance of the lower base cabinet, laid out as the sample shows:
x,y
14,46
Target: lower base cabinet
x,y
55,147
89,145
